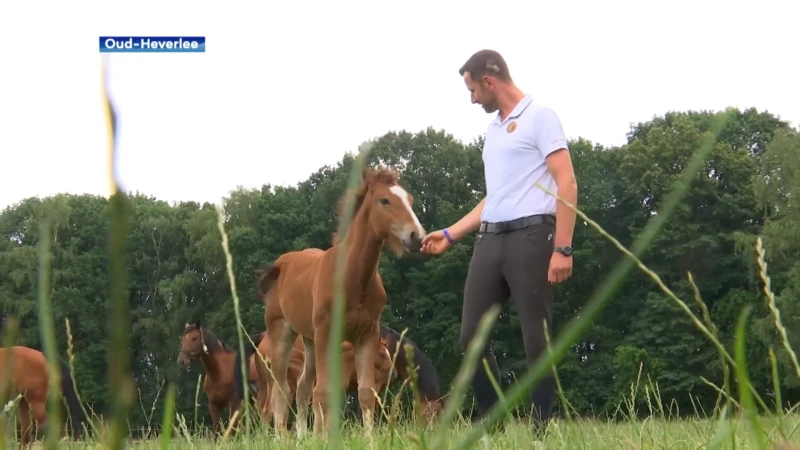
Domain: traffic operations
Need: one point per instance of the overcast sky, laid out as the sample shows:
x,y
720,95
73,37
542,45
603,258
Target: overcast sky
x,y
285,89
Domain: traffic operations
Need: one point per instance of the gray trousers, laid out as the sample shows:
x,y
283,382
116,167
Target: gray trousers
x,y
512,265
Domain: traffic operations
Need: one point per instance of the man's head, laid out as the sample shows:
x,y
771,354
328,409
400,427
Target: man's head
x,y
486,75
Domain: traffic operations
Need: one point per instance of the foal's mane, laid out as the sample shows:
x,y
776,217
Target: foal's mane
x,y
382,175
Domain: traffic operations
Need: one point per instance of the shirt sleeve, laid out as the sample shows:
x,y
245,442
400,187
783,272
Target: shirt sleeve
x,y
549,135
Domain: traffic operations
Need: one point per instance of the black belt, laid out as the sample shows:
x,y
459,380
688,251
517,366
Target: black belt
x,y
516,224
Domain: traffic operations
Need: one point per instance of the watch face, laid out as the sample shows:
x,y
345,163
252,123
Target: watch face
x,y
567,251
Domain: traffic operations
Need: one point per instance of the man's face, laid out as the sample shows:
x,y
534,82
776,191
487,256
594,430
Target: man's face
x,y
482,92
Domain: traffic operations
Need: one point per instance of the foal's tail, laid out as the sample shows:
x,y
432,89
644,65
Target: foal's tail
x,y
249,350
266,278
73,403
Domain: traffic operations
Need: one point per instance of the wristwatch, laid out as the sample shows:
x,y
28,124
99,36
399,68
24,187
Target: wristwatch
x,y
565,250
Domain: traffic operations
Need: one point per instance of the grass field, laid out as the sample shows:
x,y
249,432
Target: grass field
x,y
587,434
650,433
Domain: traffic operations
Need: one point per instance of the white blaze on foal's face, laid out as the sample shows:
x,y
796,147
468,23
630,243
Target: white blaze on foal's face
x,y
410,232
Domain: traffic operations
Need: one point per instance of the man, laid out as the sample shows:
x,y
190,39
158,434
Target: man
x,y
525,235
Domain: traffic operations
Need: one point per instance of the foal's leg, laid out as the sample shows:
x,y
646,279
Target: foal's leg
x,y
282,337
322,386
37,410
215,412
24,424
264,384
234,406
264,381
304,385
365,352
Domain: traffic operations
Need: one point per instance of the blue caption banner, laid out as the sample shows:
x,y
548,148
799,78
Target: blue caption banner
x,y
152,44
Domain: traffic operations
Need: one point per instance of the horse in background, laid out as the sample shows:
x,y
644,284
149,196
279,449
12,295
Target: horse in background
x,y
431,402
298,290
222,366
383,369
24,370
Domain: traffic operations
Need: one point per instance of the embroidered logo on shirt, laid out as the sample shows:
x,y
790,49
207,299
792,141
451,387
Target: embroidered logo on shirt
x,y
511,127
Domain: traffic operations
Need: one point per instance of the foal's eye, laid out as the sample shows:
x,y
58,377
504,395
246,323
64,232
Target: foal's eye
x,y
384,201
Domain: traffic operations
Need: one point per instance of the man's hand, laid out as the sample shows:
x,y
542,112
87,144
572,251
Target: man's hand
x,y
435,243
560,268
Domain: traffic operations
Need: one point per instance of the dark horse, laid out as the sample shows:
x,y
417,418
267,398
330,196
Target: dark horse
x,y
223,381
431,402
24,370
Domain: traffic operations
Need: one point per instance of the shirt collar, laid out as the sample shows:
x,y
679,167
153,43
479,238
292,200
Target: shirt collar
x,y
516,111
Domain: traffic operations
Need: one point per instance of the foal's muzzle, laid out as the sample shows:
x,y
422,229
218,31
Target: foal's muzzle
x,y
412,239
184,358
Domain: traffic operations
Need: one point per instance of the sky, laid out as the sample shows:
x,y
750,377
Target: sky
x,y
285,88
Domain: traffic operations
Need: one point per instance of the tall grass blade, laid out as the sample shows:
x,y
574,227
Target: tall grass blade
x,y
773,308
71,360
236,309
723,430
681,304
196,424
726,371
47,331
743,379
119,364
334,412
465,373
169,417
776,383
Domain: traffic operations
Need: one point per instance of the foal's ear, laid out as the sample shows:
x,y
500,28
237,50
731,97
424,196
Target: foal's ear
x,y
187,325
197,324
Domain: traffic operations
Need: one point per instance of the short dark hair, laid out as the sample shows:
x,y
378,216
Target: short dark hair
x,y
486,62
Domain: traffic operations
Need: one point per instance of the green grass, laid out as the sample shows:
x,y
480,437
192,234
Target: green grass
x,y
742,419
650,433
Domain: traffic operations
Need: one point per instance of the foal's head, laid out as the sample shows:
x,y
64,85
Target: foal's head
x,y
192,343
390,216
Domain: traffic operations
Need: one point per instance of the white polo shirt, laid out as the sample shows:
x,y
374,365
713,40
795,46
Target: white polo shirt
x,y
513,156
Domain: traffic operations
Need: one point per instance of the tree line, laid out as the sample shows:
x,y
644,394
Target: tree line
x,y
176,267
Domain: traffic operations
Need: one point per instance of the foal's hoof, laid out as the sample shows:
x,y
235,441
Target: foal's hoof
x,y
300,431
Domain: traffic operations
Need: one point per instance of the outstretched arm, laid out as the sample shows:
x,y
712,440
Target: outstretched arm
x,y
469,223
